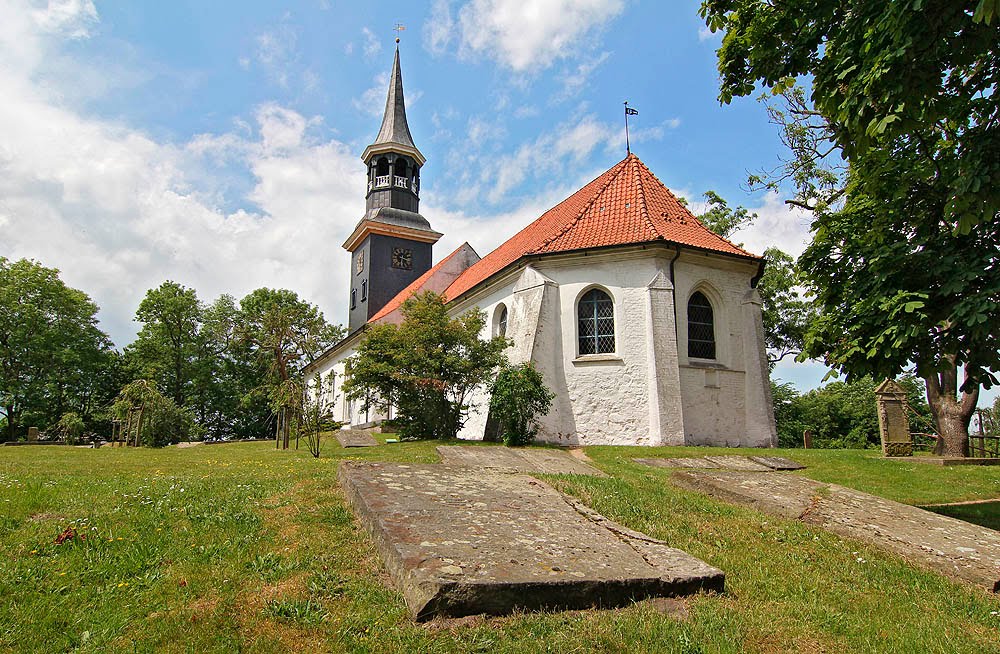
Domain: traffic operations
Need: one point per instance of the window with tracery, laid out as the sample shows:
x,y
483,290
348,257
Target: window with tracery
x,y
596,323
701,327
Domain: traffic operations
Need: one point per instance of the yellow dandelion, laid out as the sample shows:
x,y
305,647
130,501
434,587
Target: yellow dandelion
x,y
34,551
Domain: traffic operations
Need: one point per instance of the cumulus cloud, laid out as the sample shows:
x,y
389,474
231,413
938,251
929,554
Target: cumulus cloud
x,y
523,35
778,225
372,46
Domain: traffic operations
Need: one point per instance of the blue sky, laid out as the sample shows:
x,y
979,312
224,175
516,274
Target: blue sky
x,y
217,144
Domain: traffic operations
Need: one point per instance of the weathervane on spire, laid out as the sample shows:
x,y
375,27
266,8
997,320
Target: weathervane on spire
x,y
397,29
629,111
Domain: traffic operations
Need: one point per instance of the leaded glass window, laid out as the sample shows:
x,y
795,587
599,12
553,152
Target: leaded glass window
x,y
502,321
596,323
701,328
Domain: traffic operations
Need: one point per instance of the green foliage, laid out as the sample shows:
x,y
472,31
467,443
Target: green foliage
x,y
896,296
786,314
518,398
52,354
71,427
426,367
150,418
722,219
841,414
317,406
915,75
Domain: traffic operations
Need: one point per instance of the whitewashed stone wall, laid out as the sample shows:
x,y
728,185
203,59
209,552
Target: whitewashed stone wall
x,y
648,392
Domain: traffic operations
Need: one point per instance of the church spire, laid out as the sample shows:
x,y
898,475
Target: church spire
x,y
395,132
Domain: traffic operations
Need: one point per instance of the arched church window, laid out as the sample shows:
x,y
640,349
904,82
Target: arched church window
x,y
596,323
701,327
382,168
501,321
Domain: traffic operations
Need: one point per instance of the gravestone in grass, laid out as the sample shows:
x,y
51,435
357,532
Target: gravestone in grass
x,y
893,423
32,434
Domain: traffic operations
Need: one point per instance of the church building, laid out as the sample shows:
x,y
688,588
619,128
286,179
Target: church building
x,y
644,323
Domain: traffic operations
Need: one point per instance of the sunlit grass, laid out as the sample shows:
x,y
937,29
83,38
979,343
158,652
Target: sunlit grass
x,y
240,547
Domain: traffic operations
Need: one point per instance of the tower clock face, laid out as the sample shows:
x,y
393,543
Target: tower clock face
x,y
402,258
360,265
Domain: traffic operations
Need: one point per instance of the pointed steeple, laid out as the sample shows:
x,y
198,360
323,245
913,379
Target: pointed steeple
x,y
395,132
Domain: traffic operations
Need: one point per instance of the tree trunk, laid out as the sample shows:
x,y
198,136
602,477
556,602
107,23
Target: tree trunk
x,y
952,411
10,422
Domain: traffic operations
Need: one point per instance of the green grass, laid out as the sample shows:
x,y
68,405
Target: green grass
x,y
243,548
986,514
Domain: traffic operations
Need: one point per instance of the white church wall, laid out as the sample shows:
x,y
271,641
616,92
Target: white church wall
x,y
714,392
601,399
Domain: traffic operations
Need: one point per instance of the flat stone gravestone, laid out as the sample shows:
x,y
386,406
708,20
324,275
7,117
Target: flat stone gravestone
x,y
683,462
355,438
462,541
954,548
737,462
32,434
552,462
777,462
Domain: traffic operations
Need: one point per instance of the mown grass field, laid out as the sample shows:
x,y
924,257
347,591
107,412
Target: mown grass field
x,y
240,547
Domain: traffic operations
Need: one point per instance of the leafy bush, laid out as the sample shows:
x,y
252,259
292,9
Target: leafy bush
x,y
519,398
841,414
71,427
427,367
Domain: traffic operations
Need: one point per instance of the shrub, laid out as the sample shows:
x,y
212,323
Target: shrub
x,y
519,399
71,427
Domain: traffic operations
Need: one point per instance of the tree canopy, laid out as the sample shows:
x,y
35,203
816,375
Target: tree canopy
x,y
52,353
427,367
904,255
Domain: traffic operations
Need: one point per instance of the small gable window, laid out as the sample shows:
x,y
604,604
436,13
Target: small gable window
x,y
596,323
701,328
354,297
364,290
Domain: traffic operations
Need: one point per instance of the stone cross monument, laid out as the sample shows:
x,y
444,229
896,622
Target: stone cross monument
x,y
893,423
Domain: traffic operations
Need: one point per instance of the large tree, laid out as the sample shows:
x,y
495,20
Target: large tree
x,y
904,254
167,346
52,354
427,367
281,333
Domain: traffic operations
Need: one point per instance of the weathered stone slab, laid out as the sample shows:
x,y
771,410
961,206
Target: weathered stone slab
x,y
461,541
355,438
736,462
954,548
777,462
552,462
683,462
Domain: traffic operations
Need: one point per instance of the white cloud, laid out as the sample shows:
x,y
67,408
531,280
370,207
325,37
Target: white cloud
x,y
439,27
276,51
372,101
777,224
706,34
524,35
574,82
71,18
372,46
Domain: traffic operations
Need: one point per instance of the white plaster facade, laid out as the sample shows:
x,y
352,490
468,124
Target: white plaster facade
x,y
648,391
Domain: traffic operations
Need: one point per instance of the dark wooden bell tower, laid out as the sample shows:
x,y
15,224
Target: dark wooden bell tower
x,y
392,245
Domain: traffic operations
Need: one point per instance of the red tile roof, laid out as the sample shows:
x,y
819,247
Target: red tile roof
x,y
626,205
414,286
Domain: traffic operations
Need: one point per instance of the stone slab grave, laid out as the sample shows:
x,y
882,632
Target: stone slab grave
x,y
463,541
954,548
355,438
552,462
726,462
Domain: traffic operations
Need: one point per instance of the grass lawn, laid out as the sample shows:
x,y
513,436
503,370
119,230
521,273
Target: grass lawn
x,y
986,514
243,548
